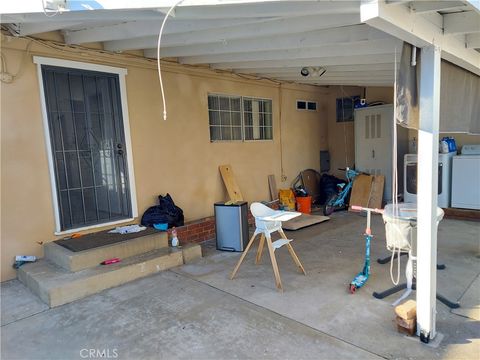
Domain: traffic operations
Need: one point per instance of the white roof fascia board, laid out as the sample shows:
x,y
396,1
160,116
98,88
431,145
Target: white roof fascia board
x,y
400,22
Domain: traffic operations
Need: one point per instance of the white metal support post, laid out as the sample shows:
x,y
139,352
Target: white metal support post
x,y
427,191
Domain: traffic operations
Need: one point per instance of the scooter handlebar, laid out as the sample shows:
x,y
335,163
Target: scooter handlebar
x,y
360,208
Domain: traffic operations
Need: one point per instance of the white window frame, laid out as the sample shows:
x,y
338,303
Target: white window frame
x,y
242,117
306,105
121,72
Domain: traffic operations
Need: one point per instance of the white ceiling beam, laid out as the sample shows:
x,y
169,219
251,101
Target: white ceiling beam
x,y
84,16
344,82
286,8
434,6
397,2
358,48
135,29
36,6
461,23
473,41
25,29
336,74
262,28
400,22
315,61
340,35
334,78
340,68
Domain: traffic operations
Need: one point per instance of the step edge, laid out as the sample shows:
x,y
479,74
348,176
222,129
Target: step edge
x,y
69,287
75,261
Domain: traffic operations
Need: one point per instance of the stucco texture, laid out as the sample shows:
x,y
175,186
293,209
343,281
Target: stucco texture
x,y
174,156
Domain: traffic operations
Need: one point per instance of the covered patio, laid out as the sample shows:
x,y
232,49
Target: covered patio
x,y
279,52
196,312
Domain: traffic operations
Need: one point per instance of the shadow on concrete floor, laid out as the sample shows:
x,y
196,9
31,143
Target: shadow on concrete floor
x,y
196,312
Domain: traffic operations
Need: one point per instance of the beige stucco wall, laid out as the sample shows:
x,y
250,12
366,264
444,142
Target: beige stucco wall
x,y
175,156
341,140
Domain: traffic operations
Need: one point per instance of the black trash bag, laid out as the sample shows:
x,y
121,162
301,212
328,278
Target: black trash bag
x,y
328,186
166,212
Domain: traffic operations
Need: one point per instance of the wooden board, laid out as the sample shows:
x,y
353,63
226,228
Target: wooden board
x,y
362,186
272,185
376,193
230,183
303,220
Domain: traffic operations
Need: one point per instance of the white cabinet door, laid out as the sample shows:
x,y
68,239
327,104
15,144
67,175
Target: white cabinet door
x,y
373,143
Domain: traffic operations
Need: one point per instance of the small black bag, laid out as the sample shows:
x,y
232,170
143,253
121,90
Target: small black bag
x,y
164,213
328,186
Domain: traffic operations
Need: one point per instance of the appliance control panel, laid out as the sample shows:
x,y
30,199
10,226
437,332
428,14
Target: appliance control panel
x,y
473,149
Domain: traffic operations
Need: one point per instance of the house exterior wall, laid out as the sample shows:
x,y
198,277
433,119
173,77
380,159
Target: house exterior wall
x,y
174,156
338,132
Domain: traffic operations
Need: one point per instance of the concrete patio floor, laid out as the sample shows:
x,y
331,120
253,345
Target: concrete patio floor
x,y
195,312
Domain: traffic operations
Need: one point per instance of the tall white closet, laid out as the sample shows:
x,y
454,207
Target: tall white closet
x,y
374,145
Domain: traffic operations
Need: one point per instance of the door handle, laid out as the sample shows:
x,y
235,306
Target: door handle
x,y
120,152
373,153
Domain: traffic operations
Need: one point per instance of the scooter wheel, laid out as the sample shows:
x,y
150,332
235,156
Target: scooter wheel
x,y
352,289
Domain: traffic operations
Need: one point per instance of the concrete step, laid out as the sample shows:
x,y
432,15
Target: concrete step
x,y
76,261
57,286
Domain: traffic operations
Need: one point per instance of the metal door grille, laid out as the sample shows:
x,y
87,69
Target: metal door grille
x,y
88,145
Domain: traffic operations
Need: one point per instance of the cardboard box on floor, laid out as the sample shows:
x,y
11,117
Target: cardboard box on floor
x,y
367,191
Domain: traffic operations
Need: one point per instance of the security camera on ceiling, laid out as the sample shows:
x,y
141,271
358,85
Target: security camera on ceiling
x,y
312,71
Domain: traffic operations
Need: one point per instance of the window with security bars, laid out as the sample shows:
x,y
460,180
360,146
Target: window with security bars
x,y
237,118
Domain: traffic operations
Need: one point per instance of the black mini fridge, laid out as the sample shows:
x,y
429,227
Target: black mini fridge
x,y
231,226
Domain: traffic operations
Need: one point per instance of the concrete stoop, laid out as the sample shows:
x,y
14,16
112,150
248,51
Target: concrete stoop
x,y
53,280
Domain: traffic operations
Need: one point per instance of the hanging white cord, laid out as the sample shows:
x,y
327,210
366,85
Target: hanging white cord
x,y
158,57
394,178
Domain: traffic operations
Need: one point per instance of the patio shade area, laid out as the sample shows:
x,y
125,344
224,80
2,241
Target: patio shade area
x,y
265,89
196,312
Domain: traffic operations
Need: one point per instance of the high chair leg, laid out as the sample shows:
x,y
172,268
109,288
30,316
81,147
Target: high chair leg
x,y
260,249
292,253
234,272
276,273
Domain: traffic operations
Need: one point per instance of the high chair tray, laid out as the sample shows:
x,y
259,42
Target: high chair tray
x,y
281,215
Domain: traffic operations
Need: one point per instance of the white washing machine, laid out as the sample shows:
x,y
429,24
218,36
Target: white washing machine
x,y
444,178
466,178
